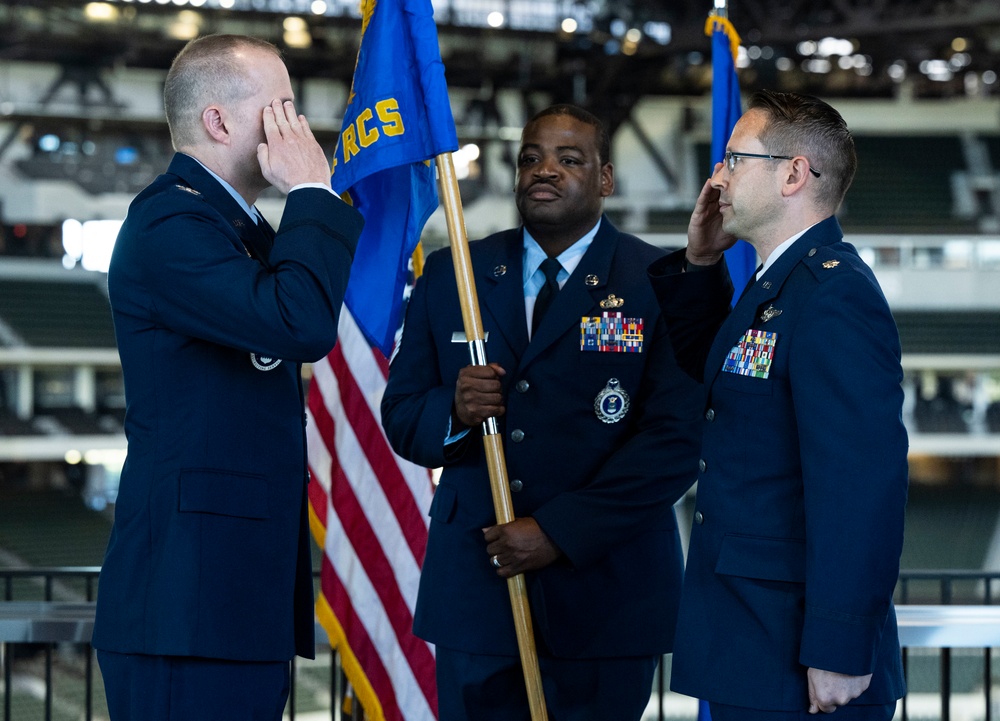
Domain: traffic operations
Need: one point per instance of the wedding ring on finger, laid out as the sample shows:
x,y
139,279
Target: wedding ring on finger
x,y
495,561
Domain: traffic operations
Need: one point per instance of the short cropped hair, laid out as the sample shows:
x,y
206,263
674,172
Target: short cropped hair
x,y
603,140
804,125
206,71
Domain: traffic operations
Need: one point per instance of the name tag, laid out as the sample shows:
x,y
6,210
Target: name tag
x,y
459,337
753,354
611,333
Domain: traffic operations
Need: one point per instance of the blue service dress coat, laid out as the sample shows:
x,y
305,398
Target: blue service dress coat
x,y
802,487
603,491
209,552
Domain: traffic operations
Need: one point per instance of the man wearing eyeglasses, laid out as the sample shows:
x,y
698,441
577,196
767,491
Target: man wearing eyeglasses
x,y
787,607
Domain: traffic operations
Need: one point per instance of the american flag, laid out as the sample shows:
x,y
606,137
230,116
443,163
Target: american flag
x,y
368,511
368,507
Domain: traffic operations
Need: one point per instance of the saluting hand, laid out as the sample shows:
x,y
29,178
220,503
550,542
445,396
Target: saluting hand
x,y
291,155
706,238
478,395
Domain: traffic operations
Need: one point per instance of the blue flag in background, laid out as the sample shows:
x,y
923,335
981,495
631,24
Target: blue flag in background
x,y
398,116
726,110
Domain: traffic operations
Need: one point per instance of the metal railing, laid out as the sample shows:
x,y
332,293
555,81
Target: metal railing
x,y
49,610
945,588
53,608
52,583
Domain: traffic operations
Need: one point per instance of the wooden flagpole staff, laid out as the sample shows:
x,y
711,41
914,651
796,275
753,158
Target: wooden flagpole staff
x,y
497,465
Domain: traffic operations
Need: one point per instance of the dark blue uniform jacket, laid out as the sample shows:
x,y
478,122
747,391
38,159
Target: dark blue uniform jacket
x,y
209,552
802,488
603,491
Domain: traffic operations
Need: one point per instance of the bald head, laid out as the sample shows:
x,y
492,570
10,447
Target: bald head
x,y
208,70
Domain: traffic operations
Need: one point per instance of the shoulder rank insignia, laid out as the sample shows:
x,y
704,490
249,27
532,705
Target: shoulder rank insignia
x,y
769,313
263,362
612,402
186,189
612,301
831,264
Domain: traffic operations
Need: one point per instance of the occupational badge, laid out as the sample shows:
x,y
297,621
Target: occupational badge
x,y
263,362
612,402
769,313
612,301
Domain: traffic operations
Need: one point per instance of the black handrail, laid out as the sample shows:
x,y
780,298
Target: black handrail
x,y
930,586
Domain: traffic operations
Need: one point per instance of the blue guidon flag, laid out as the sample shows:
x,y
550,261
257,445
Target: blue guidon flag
x,y
726,110
398,118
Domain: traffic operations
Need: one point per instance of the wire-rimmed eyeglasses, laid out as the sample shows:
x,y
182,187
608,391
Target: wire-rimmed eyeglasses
x,y
730,159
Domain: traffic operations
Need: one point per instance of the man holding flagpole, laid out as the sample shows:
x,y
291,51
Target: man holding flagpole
x,y
599,428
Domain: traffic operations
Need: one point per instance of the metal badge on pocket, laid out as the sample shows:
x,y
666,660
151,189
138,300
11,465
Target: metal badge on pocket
x,y
612,403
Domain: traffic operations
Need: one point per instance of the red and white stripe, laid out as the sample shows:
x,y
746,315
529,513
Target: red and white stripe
x,y
373,507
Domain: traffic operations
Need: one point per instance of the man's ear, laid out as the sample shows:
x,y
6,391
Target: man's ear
x,y
607,180
215,124
796,177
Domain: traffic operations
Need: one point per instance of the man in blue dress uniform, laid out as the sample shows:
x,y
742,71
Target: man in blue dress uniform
x,y
206,590
600,432
787,603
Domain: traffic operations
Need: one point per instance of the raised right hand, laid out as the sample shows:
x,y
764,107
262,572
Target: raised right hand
x,y
478,395
706,238
291,156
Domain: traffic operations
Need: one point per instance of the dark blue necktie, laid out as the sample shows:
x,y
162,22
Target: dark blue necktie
x,y
750,282
550,268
